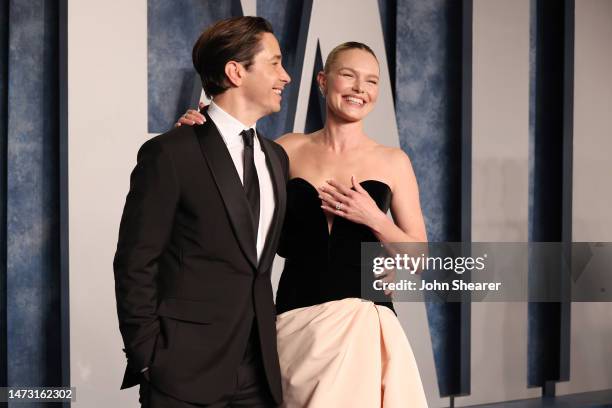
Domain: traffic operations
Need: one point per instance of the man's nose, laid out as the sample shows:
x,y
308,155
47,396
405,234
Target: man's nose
x,y
285,76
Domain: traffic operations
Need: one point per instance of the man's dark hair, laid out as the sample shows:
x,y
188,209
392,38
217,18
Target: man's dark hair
x,y
232,39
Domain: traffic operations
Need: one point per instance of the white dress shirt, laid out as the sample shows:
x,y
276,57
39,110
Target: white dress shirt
x,y
230,129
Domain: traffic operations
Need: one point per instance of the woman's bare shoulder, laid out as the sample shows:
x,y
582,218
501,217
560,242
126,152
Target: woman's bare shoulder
x,y
389,157
396,165
290,139
393,156
293,141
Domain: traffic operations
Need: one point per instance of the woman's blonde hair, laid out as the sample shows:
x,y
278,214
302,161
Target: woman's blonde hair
x,y
350,45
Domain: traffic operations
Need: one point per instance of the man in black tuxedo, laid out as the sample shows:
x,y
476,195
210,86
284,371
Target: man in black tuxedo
x,y
198,236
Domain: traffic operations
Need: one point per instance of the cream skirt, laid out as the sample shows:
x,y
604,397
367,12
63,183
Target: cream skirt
x,y
346,353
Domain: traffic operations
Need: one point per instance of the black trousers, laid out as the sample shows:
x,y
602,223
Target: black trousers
x,y
251,386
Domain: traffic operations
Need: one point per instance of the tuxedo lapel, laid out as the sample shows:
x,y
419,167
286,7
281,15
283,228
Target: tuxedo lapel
x,y
228,183
280,194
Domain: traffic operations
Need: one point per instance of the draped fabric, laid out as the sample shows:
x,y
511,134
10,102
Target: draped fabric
x,y
347,353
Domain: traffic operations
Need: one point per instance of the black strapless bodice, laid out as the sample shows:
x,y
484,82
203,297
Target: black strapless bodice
x,y
322,266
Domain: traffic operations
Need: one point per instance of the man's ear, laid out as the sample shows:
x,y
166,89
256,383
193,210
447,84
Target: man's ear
x,y
234,71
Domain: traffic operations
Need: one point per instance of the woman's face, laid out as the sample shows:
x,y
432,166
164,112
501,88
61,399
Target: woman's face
x,y
351,85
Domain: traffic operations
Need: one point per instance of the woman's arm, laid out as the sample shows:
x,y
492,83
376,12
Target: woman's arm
x,y
408,224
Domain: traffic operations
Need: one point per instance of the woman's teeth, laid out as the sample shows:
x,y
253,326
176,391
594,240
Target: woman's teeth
x,y
355,101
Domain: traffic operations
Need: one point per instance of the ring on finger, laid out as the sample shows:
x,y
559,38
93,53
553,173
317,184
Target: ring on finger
x,y
339,207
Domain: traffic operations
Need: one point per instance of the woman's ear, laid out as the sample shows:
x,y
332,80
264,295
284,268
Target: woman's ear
x,y
234,71
322,80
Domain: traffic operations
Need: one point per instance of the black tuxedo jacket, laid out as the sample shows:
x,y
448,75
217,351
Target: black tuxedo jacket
x,y
187,280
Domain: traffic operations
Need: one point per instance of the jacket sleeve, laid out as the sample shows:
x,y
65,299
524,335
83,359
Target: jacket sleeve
x,y
144,232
